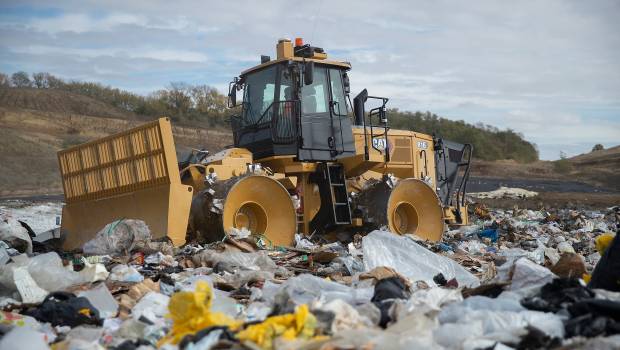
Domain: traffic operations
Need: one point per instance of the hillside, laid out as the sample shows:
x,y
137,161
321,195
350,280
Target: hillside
x,y
64,102
598,168
34,124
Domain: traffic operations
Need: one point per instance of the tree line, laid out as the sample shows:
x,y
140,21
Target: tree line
x,y
204,105
182,102
489,142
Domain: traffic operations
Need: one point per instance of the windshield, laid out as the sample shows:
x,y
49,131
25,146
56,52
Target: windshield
x,y
258,95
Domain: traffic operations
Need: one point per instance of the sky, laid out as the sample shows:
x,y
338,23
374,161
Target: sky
x,y
547,69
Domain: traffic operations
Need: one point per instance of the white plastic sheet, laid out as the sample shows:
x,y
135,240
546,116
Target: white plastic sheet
x,y
382,248
152,306
527,273
101,298
502,319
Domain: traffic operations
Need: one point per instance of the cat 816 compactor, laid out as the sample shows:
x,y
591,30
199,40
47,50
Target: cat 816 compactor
x,y
301,163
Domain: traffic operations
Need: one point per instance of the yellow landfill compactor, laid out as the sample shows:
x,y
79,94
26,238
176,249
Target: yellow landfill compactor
x,y
305,160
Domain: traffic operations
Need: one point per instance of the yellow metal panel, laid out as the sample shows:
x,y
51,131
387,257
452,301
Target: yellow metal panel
x,y
284,49
132,174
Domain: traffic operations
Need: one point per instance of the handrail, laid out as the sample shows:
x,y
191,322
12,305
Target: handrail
x,y
380,112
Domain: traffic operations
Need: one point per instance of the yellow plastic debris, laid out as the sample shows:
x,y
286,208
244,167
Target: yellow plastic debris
x,y
191,312
586,277
299,325
602,242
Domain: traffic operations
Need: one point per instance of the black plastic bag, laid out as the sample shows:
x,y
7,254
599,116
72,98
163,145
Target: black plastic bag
x,y
65,309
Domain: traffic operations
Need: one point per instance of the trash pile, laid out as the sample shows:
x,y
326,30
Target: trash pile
x,y
516,278
505,192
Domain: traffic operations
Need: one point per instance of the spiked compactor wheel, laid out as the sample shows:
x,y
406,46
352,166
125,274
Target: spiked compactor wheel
x,y
263,206
255,202
411,206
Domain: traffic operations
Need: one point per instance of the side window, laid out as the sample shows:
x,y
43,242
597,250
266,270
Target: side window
x,y
340,104
259,94
315,97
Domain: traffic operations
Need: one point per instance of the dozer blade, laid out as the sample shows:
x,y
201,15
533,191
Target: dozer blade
x,y
133,175
258,203
410,207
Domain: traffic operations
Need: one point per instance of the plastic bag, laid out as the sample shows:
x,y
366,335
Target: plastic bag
x,y
152,307
15,234
101,298
258,261
119,237
382,248
191,312
502,320
345,316
527,273
299,325
125,273
306,288
46,270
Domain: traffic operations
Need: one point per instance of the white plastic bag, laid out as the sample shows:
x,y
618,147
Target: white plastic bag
x,y
382,248
119,237
46,270
125,273
306,288
15,234
502,319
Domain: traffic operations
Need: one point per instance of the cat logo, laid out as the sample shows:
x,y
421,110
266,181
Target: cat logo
x,y
379,143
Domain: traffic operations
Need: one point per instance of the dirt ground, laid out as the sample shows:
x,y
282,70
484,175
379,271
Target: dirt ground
x,y
558,200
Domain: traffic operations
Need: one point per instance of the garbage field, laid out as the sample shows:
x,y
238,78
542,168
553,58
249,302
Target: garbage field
x,y
512,279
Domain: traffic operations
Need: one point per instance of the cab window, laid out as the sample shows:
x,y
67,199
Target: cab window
x,y
337,87
259,94
315,97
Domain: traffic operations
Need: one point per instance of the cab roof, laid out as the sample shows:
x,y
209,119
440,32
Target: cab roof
x,y
345,65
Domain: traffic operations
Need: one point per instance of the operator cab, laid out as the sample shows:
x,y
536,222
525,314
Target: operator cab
x,y
294,105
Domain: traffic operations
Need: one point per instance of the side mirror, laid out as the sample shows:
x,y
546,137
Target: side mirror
x,y
308,72
346,83
232,94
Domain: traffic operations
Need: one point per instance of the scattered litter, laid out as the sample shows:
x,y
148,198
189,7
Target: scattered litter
x,y
512,279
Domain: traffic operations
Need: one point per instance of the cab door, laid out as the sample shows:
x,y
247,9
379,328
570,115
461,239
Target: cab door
x,y
325,126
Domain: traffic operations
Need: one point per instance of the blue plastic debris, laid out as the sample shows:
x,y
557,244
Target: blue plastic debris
x,y
444,247
491,233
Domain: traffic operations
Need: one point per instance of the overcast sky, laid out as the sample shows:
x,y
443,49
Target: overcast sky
x,y
547,69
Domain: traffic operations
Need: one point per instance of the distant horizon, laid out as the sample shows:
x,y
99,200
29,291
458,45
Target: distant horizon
x,y
548,70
